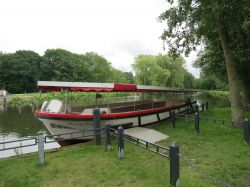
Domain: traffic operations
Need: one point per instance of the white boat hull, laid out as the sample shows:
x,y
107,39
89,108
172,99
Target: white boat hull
x,y
62,126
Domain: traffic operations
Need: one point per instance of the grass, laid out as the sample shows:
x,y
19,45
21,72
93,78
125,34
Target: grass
x,y
217,93
215,156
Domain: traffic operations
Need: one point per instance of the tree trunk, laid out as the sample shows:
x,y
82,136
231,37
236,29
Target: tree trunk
x,y
245,95
233,80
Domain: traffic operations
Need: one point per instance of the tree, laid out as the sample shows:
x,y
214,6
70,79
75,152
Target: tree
x,y
129,77
148,72
19,72
192,22
58,65
99,68
188,80
175,67
118,76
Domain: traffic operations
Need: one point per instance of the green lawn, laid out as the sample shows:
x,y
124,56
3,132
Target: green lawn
x,y
217,155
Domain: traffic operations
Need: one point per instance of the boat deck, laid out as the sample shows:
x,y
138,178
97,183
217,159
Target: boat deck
x,y
124,106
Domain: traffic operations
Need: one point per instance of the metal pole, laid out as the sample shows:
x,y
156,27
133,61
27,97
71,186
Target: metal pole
x,y
174,164
246,127
97,130
134,99
120,142
41,152
108,137
65,102
165,98
173,118
196,108
95,98
206,105
202,107
152,100
197,122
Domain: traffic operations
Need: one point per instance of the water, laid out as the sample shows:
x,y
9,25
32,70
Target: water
x,y
19,122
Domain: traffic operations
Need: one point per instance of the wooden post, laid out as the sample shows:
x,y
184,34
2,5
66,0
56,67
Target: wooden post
x,y
197,122
97,130
120,142
108,137
174,164
246,127
41,152
173,118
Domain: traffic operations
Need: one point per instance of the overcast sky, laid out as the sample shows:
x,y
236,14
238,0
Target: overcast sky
x,y
119,30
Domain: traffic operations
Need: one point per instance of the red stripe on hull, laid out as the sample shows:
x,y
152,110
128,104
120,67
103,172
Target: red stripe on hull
x,y
40,113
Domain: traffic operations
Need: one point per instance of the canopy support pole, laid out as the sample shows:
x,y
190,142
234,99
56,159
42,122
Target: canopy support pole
x,y
165,98
95,98
65,102
152,100
134,99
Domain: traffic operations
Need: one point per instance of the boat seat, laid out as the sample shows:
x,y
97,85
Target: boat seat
x,y
90,111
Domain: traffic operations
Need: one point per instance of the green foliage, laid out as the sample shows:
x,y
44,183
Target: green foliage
x,y
20,71
99,68
189,80
148,72
161,70
58,65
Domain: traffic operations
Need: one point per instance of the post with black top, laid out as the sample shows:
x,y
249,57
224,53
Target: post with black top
x,y
202,107
108,137
97,130
246,127
197,122
120,142
40,144
206,105
173,118
174,164
196,108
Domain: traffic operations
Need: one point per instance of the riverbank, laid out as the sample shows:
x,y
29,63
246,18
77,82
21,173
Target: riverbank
x,y
73,97
217,155
217,93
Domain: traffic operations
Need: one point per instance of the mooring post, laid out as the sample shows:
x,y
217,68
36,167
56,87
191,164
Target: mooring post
x,y
97,130
173,118
108,137
120,142
4,101
174,164
196,108
206,105
246,127
202,107
41,152
197,122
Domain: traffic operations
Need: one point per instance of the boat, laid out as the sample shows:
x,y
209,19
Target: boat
x,y
59,117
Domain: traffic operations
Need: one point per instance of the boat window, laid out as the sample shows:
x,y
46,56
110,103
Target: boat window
x,y
54,106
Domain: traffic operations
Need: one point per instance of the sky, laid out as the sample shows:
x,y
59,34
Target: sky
x,y
119,30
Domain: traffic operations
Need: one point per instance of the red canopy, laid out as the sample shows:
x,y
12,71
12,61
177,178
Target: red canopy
x,y
118,87
103,87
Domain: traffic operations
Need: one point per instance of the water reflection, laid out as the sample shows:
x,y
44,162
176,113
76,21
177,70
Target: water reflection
x,y
19,120
22,150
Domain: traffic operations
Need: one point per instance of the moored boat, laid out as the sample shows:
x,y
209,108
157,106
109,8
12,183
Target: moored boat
x,y
59,117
